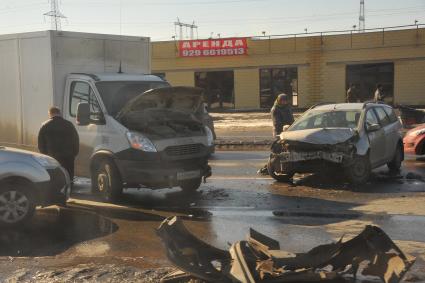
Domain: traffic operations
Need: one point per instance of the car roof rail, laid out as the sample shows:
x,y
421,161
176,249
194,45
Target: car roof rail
x,y
320,104
93,76
374,102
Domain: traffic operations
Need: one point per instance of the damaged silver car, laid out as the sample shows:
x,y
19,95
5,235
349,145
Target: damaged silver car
x,y
352,137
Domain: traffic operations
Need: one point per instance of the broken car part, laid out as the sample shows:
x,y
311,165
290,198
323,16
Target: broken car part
x,y
260,259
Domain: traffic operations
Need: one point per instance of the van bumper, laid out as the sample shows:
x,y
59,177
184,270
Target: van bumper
x,y
161,174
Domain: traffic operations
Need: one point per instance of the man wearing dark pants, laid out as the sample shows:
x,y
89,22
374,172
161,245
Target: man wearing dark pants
x,y
59,139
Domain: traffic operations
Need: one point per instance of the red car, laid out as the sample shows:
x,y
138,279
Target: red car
x,y
414,141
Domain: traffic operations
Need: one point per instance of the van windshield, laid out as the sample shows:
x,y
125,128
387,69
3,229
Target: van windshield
x,y
327,119
116,94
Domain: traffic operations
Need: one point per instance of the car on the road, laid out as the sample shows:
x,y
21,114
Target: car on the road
x,y
354,137
414,141
28,180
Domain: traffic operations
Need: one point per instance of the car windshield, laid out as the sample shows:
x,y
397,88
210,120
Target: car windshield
x,y
327,119
116,94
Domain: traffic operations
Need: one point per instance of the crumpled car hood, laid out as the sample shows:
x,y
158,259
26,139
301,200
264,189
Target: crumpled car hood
x,y
180,98
320,136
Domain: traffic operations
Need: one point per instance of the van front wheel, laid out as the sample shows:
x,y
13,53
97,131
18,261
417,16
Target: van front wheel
x,y
191,185
108,181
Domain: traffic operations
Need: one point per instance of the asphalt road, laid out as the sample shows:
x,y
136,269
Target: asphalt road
x,y
313,210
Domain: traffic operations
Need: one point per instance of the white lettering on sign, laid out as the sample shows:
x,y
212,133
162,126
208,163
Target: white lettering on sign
x,y
213,47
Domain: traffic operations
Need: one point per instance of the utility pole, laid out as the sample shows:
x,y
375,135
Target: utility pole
x,y
362,17
55,15
181,25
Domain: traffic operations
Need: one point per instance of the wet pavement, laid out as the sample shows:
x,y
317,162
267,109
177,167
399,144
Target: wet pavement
x,y
69,243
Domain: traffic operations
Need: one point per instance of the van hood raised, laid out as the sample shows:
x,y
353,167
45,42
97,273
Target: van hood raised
x,y
320,136
179,98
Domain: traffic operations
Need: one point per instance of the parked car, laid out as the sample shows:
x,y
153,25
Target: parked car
x,y
354,137
27,180
414,141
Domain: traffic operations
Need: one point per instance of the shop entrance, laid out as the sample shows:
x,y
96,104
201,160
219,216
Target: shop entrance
x,y
274,81
219,88
366,76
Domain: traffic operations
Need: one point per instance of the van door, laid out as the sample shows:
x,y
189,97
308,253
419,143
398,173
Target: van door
x,y
376,140
90,135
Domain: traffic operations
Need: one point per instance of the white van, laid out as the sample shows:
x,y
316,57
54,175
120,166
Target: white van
x,y
135,129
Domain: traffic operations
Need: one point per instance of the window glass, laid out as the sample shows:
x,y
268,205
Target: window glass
x,y
371,118
391,114
82,92
327,119
274,81
382,116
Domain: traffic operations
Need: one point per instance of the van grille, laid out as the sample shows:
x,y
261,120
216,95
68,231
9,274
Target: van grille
x,y
186,149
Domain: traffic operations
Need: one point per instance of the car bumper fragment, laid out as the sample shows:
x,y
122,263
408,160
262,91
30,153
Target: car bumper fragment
x,y
259,258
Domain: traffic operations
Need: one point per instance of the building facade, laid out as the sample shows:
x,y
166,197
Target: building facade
x,y
311,69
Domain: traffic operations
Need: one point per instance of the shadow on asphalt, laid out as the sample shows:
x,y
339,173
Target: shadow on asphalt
x,y
53,231
167,200
381,181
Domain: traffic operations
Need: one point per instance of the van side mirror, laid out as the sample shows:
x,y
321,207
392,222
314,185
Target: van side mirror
x,y
83,114
372,127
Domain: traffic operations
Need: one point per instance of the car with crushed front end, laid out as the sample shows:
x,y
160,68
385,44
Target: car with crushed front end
x,y
28,180
414,141
352,137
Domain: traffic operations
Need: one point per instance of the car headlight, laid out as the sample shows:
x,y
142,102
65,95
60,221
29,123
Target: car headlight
x,y
140,142
46,161
210,136
417,132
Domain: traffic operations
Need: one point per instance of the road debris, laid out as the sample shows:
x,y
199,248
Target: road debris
x,y
260,259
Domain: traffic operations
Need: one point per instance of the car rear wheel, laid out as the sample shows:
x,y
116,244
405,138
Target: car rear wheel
x,y
395,164
191,185
359,170
16,205
107,181
278,176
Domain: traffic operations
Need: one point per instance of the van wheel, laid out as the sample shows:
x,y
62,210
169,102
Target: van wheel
x,y
359,170
191,185
395,164
108,181
16,205
280,177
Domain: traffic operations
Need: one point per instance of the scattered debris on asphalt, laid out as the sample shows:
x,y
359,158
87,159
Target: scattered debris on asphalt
x,y
260,259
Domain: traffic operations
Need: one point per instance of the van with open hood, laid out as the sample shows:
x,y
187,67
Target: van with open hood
x,y
137,130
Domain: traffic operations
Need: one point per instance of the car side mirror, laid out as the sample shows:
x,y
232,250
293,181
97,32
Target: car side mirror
x,y
83,114
284,128
373,127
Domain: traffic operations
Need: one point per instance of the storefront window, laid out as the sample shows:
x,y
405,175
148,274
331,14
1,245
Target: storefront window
x,y
274,81
219,88
366,76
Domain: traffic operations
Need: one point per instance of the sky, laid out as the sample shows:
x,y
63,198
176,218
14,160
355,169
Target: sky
x,y
224,18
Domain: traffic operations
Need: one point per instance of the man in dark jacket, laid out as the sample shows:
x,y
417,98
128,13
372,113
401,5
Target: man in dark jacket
x,y
281,114
59,139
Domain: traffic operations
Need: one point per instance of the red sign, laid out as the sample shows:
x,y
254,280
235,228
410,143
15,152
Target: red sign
x,y
213,47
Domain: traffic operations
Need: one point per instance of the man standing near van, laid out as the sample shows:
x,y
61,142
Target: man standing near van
x,y
59,139
281,113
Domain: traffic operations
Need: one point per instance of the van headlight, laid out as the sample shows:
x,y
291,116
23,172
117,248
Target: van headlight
x,y
210,136
46,161
140,142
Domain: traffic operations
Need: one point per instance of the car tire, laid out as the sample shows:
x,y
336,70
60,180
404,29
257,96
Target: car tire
x,y
395,163
358,171
17,205
108,181
278,176
191,185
